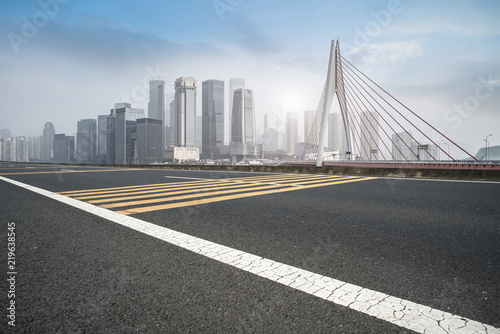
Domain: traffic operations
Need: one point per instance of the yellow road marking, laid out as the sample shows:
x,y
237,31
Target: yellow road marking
x,y
136,189
274,177
159,192
230,197
162,192
289,178
213,193
126,189
212,189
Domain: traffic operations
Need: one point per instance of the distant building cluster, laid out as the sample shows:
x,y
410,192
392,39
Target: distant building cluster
x,y
172,132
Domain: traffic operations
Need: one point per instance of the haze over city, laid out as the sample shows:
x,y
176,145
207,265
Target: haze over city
x,y
73,60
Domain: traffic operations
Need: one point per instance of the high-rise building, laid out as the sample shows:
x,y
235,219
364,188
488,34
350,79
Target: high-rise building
x,y
291,132
149,141
369,149
234,84
429,152
124,128
102,137
310,127
169,116
5,133
70,148
64,148
60,147
35,148
86,141
404,147
185,112
8,149
212,118
243,117
243,128
157,101
111,137
270,136
48,142
337,140
21,149
199,131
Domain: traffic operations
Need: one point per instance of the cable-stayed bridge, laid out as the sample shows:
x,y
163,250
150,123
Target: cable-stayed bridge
x,y
375,125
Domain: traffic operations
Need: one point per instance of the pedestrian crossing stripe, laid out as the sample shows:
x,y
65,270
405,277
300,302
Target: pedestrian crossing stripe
x,y
129,200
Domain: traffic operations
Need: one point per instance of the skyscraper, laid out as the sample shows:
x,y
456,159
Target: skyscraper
x,y
243,117
156,99
102,138
60,147
169,116
212,118
8,149
149,141
185,112
336,134
48,142
234,84
156,105
404,147
124,127
243,130
111,137
270,136
21,149
310,126
369,136
64,147
5,133
35,148
199,132
86,141
431,153
292,132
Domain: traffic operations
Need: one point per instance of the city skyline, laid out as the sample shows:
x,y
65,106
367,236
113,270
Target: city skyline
x,y
444,70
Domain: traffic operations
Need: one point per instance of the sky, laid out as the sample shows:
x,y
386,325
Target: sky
x,y
66,60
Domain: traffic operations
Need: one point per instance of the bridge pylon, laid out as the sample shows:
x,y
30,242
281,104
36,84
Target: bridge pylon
x,y
375,125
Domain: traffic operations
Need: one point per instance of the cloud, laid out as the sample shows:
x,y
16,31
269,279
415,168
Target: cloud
x,y
392,52
463,19
111,47
250,37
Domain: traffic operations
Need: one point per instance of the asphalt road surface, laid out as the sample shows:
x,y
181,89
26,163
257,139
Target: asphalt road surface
x,y
170,251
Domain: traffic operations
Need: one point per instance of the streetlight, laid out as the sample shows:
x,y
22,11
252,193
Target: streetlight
x,y
444,142
486,140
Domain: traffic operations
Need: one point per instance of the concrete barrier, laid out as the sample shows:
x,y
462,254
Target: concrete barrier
x,y
429,173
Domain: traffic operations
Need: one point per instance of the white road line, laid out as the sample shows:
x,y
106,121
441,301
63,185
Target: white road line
x,y
403,313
